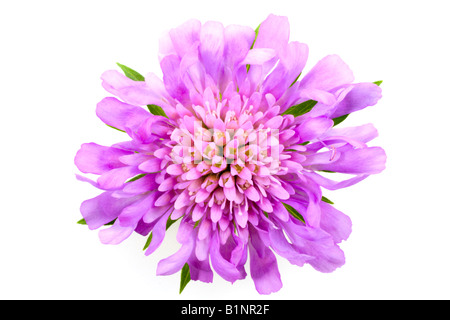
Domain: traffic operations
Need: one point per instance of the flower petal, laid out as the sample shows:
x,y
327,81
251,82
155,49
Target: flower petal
x,y
103,209
97,159
222,266
361,96
115,234
200,270
238,40
285,249
356,161
120,115
263,266
333,221
212,45
313,128
115,178
185,35
328,73
158,233
273,33
175,262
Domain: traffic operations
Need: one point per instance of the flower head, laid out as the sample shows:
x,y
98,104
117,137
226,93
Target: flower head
x,y
235,148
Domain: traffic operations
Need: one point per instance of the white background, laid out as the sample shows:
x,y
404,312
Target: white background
x,y
52,55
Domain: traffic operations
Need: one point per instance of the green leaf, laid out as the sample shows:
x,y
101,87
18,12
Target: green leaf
x,y
301,108
339,119
324,199
378,83
115,128
156,110
147,243
295,80
185,277
130,73
83,222
171,222
136,177
256,35
294,212
110,223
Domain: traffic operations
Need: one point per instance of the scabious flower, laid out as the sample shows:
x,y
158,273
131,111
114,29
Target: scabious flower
x,y
235,149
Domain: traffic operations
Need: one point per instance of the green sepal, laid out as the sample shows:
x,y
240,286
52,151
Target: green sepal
x,y
83,222
115,128
136,177
149,239
378,83
256,35
295,80
339,119
185,277
156,110
147,243
325,199
301,108
170,222
294,212
130,73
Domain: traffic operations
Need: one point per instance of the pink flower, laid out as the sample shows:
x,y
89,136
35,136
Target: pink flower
x,y
237,153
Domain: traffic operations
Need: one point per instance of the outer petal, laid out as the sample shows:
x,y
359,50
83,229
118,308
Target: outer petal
x,y
357,161
273,33
212,45
134,212
314,128
328,73
115,178
258,56
334,185
263,266
103,209
222,266
97,159
130,91
289,68
364,133
362,95
115,234
170,67
238,40
119,114
158,233
333,221
184,36
285,249
317,243
200,270
176,261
